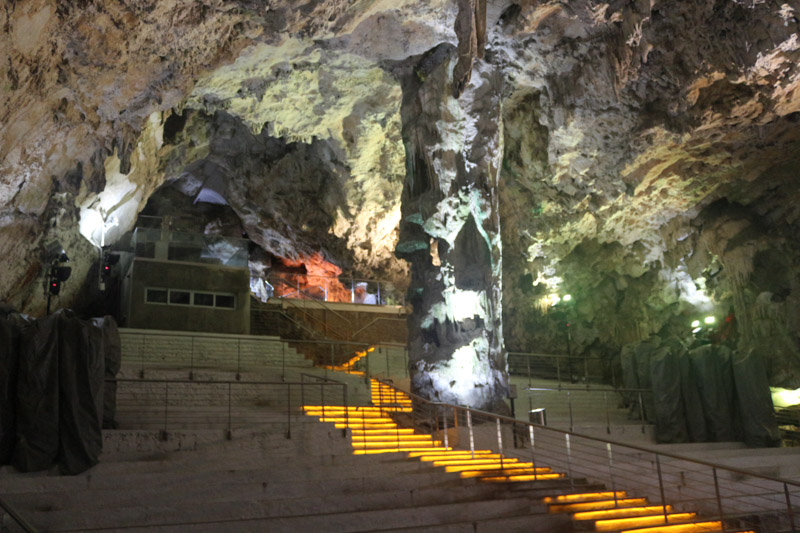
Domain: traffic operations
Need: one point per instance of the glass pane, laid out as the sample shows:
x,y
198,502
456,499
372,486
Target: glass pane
x,y
226,300
179,297
204,299
156,296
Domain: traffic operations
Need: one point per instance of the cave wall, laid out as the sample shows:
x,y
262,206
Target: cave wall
x,y
649,149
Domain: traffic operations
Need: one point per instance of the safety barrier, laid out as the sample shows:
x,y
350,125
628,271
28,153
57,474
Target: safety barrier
x,y
171,405
679,488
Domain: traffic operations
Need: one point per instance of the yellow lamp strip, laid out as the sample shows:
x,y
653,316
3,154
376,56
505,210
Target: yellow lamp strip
x,y
520,478
641,521
455,454
597,505
584,497
621,513
504,472
697,527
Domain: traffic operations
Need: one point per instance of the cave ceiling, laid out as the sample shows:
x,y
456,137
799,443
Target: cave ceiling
x,y
649,148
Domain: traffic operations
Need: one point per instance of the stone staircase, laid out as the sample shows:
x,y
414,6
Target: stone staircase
x,y
375,432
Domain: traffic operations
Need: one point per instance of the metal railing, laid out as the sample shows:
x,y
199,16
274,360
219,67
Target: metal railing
x,y
386,359
11,521
739,498
571,406
172,405
155,350
338,289
567,369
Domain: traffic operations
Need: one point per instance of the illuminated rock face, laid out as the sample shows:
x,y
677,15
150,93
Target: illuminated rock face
x,y
451,231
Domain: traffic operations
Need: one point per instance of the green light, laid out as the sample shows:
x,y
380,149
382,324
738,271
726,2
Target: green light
x,y
709,320
567,297
695,323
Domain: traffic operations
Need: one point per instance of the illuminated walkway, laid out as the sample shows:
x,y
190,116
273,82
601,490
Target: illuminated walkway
x,y
374,431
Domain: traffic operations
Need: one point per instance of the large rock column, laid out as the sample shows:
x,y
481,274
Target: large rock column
x,y
451,230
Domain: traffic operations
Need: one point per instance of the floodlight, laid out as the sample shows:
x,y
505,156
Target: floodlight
x,y
695,323
709,320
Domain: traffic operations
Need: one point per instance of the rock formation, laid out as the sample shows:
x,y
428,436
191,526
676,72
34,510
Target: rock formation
x,y
647,156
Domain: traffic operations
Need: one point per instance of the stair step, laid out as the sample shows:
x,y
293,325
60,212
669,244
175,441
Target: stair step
x,y
596,505
616,524
696,527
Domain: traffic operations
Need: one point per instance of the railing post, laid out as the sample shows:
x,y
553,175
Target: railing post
x,y
569,461
283,360
719,501
471,435
166,410
528,358
387,363
379,292
352,291
611,473
608,415
405,359
191,361
789,506
326,373
230,426
569,406
641,411
500,441
346,411
661,488
446,441
322,396
238,359
533,459
141,356
289,411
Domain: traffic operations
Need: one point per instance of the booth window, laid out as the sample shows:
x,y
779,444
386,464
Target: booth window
x,y
190,298
156,296
228,301
180,297
204,299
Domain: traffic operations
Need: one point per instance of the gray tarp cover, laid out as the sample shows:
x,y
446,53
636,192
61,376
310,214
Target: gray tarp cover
x,y
755,402
713,374
665,373
59,395
9,350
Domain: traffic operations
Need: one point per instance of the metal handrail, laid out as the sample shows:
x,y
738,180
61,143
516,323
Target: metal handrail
x,y
375,321
239,340
229,385
353,280
16,517
571,460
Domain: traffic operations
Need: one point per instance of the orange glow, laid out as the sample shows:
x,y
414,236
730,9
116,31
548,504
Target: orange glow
x,y
315,277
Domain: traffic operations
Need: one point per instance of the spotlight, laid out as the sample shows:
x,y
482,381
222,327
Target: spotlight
x,y
709,320
695,323
567,297
696,330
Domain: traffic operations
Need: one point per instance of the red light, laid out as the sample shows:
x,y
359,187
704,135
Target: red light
x,y
55,284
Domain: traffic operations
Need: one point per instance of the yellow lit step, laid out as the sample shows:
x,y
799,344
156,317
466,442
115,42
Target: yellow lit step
x,y
452,453
642,521
697,527
342,425
393,444
398,431
388,450
520,478
596,505
625,512
504,472
480,462
584,497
